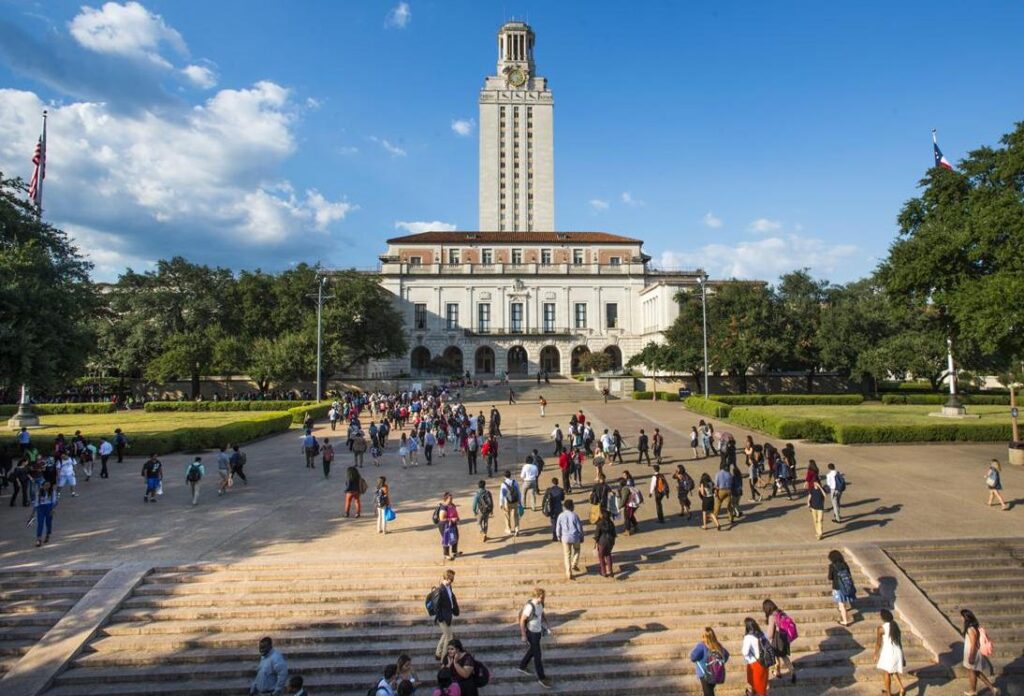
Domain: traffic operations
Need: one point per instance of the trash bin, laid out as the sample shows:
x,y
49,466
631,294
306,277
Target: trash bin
x,y
684,392
1015,453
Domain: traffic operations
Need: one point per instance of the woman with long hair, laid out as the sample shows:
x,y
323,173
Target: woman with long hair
x,y
706,492
994,481
777,621
843,589
684,486
757,673
889,652
710,656
975,661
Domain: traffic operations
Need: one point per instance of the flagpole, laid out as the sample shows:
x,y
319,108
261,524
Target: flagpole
x,y
42,173
935,140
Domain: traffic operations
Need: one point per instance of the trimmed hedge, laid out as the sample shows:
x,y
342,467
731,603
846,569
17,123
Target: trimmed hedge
x,y
317,410
930,432
641,395
158,406
939,399
668,396
60,409
707,407
197,438
781,426
791,399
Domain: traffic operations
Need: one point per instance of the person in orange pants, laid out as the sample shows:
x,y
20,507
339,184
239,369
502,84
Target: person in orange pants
x,y
353,489
757,673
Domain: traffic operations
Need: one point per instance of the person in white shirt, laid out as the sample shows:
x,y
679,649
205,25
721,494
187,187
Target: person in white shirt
x,y
509,499
529,476
757,674
607,442
106,449
532,625
831,479
66,474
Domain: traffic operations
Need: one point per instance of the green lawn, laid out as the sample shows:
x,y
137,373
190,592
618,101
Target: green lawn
x,y
164,432
872,422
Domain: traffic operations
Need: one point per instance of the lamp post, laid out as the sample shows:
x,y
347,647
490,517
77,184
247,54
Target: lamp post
x,y
321,283
703,280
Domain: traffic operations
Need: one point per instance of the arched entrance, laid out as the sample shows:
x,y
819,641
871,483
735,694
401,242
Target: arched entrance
x,y
419,359
452,357
615,354
550,360
518,363
483,362
577,353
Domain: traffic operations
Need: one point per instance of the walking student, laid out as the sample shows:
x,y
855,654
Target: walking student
x,y
533,625
889,653
224,470
816,504
193,475
483,507
383,500
843,590
657,443
326,457
447,608
44,503
723,494
237,460
509,497
710,656
642,448
684,486
552,506
976,644
994,481
310,448
153,472
604,541
272,672
120,444
659,491
781,631
106,449
755,653
448,525
569,530
354,488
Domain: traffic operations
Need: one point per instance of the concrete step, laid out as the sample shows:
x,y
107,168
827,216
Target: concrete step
x,y
31,606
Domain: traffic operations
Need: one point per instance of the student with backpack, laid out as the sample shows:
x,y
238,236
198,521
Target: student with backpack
x,y
659,491
120,444
978,649
533,625
468,673
710,656
327,456
383,499
836,484
483,507
994,482
193,475
355,486
781,634
443,607
630,500
684,486
759,656
510,497
843,591
551,506
153,472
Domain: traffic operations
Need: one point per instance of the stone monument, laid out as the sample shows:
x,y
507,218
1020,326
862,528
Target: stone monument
x,y
25,417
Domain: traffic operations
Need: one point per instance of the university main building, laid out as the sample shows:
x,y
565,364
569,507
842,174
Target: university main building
x,y
518,296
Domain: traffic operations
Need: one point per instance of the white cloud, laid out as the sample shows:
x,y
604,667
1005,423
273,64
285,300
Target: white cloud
x,y
145,184
419,227
106,251
201,76
597,204
711,220
462,126
399,16
348,150
392,149
128,30
313,103
764,259
629,200
764,225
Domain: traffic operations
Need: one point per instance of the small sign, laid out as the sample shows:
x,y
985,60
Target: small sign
x,y
1013,412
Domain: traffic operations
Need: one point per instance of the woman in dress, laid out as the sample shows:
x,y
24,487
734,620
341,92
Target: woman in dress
x,y
994,481
706,492
403,450
974,661
757,674
889,653
449,527
843,590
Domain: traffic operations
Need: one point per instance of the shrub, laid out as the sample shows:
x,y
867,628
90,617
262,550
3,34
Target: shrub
x,y
707,407
791,399
641,395
9,410
317,410
668,396
163,406
939,399
782,426
963,431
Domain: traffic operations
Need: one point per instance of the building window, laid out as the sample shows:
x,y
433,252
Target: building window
x,y
549,317
516,313
611,315
577,256
517,256
451,315
483,317
415,260
545,254
581,315
420,316
487,256
455,256
615,261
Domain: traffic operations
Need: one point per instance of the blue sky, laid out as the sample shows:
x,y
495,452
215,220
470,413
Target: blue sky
x,y
748,138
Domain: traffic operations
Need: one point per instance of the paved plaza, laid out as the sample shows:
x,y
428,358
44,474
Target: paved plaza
x,y
291,516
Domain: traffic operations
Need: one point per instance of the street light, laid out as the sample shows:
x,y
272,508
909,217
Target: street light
x,y
703,280
320,285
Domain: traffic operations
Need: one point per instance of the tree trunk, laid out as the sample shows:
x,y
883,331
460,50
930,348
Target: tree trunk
x,y
742,377
810,381
195,385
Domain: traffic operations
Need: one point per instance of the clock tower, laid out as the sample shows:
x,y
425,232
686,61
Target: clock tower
x,y
516,140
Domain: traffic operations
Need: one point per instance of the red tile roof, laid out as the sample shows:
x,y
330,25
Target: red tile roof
x,y
514,238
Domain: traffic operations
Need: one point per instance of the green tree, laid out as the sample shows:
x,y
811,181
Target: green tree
x,y
360,322
799,299
741,328
855,320
273,361
595,361
46,299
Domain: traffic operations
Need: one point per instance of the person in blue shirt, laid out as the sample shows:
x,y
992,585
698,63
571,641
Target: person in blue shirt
x,y
710,657
310,448
272,672
569,531
723,493
45,502
24,440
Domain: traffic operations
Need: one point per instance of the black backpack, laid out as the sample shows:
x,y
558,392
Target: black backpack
x,y
512,494
194,473
431,602
486,503
481,675
437,514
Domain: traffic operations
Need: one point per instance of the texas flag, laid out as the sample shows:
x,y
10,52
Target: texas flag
x,y
940,159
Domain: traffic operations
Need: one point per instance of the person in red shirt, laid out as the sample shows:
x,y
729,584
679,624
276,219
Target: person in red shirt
x,y
565,464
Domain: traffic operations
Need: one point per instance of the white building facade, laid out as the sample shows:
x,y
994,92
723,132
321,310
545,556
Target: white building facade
x,y
518,297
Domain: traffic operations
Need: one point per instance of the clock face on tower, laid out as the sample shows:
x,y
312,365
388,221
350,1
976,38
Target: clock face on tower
x,y
516,77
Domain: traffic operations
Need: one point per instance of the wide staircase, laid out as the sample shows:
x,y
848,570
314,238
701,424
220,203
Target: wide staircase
x,y
560,390
986,577
31,602
193,630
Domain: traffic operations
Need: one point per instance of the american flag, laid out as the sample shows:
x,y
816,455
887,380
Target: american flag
x,y
35,186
